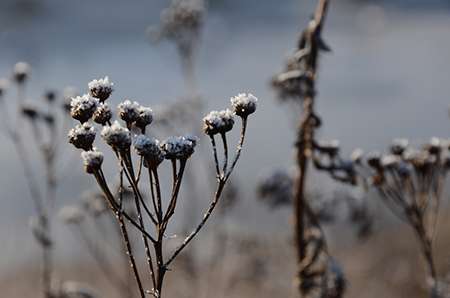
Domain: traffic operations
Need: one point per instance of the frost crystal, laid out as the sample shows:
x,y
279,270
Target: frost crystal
x,y
82,136
178,147
101,88
102,114
71,215
145,117
128,111
150,149
92,160
83,107
218,122
117,136
244,104
21,72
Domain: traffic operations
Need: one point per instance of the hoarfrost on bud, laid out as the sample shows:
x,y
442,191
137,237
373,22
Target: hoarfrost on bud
x,y
117,136
244,104
82,136
218,122
71,215
357,155
128,111
150,149
145,117
390,161
398,146
102,114
374,160
83,107
21,72
101,88
92,160
178,147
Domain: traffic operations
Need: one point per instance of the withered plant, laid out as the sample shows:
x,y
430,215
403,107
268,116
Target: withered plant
x,y
409,181
314,277
36,128
155,212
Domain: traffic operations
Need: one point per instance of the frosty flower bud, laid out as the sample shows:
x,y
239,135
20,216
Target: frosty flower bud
x,y
178,147
434,146
149,149
117,136
92,160
218,122
21,72
357,155
71,215
398,146
83,107
374,160
390,161
102,114
101,88
145,117
128,111
82,136
244,104
4,84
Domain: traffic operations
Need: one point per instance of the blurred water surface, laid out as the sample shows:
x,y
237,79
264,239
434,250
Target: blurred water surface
x,y
388,76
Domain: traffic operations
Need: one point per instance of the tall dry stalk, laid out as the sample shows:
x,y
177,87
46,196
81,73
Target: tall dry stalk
x,y
314,277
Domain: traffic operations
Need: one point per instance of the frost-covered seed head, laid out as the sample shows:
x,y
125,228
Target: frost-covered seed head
x,y
92,160
178,147
83,107
398,146
82,136
101,88
244,104
150,149
117,136
71,215
145,117
218,122
390,161
21,72
68,94
357,155
435,145
102,114
4,84
374,160
128,111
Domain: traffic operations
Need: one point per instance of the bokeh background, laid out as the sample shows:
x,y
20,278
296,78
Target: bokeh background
x,y
386,77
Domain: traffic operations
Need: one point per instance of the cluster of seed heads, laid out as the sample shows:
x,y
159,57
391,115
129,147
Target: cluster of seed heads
x,y
221,122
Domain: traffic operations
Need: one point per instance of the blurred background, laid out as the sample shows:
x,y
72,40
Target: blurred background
x,y
386,77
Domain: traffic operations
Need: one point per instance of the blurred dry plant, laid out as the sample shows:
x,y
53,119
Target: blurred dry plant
x,y
314,276
156,212
41,124
91,222
408,181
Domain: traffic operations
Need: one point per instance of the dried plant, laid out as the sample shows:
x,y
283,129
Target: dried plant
x,y
298,82
46,122
151,154
409,182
